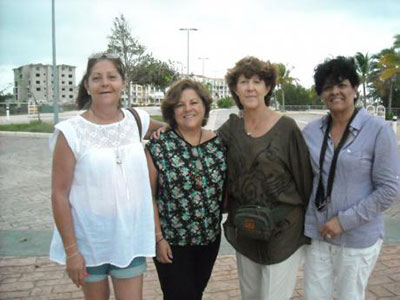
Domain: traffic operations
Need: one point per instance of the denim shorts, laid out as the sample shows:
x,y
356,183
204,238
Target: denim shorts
x,y
136,268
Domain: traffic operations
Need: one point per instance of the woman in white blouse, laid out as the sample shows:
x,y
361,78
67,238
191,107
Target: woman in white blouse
x,y
101,194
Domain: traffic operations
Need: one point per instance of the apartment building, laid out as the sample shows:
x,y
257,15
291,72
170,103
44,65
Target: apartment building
x,y
217,86
146,94
34,83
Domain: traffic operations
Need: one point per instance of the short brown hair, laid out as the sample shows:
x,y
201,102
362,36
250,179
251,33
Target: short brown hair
x,y
250,66
174,94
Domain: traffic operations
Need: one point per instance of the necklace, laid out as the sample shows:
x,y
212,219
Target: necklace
x,y
118,159
117,151
197,169
182,136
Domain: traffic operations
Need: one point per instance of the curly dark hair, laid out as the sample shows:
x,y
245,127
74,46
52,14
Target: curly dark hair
x,y
334,71
83,100
250,66
174,94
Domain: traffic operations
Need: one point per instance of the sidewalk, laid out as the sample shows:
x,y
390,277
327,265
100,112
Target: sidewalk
x,y
38,278
25,210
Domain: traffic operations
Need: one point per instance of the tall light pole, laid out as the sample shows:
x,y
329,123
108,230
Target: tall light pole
x,y
55,77
188,30
202,65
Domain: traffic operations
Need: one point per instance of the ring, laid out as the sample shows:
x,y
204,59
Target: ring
x,y
328,236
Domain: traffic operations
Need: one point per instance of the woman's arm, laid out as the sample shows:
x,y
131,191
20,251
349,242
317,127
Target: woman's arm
x,y
300,166
385,176
62,176
164,252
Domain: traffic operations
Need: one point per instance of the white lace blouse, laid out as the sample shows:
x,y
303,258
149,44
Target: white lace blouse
x,y
110,196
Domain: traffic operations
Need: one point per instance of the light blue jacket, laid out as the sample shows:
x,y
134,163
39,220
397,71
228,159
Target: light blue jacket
x,y
366,183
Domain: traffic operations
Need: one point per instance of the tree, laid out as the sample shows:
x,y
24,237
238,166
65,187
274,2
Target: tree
x,y
128,48
152,71
364,67
283,79
389,61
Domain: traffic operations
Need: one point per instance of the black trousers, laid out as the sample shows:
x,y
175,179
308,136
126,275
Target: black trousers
x,y
188,275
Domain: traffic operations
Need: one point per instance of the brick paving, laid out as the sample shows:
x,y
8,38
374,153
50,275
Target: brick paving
x,y
38,278
25,205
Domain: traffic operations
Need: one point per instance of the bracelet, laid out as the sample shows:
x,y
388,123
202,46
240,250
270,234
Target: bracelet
x,y
70,246
72,255
159,240
158,233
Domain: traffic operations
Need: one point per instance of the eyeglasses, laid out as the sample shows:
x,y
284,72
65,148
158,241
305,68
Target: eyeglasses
x,y
104,55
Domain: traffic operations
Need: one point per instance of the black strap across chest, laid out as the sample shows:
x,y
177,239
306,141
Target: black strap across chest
x,y
138,121
322,199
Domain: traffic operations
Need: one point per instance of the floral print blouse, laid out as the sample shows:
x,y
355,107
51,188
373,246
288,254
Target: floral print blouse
x,y
190,187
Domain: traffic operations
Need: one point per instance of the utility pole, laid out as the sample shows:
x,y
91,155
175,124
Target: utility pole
x,y
202,66
188,30
55,77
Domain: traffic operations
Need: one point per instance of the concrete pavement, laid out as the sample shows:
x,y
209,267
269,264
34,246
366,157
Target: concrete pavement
x,y
26,224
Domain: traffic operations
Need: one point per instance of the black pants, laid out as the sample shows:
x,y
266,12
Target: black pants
x,y
188,275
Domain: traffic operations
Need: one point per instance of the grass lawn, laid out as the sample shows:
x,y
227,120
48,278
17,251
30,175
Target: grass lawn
x,y
33,126
36,126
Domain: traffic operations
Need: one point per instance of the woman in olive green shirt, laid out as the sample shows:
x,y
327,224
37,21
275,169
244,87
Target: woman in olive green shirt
x,y
268,165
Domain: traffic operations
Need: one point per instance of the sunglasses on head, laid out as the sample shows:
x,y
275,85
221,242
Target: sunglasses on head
x,y
104,55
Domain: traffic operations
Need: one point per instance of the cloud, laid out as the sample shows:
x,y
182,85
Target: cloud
x,y
298,33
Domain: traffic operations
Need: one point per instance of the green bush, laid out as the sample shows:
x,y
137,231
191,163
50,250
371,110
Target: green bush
x,y
225,102
389,116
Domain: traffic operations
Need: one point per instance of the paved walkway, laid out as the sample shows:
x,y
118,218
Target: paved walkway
x,y
26,224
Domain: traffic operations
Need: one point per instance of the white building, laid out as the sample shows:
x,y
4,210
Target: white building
x,y
150,95
217,86
33,83
143,95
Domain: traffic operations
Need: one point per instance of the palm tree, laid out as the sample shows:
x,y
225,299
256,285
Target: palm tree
x,y
364,68
396,43
283,79
390,64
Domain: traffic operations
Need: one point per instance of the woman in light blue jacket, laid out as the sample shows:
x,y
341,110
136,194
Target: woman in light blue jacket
x,y
356,168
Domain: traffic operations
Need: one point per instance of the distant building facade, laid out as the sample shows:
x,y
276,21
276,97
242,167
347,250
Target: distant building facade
x,y
34,83
217,86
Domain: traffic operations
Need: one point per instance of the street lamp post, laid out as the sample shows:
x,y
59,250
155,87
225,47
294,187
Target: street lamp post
x,y
55,77
202,65
188,30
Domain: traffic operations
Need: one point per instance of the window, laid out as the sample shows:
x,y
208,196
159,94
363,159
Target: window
x,y
63,82
63,89
63,96
71,89
70,69
37,81
37,74
37,68
62,75
70,83
70,96
38,89
70,76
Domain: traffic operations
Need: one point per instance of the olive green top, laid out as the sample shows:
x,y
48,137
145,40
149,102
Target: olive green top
x,y
270,170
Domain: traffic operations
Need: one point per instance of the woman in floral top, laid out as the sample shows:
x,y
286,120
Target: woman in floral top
x,y
187,173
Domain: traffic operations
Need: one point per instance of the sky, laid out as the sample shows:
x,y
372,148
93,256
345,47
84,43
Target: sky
x,y
298,33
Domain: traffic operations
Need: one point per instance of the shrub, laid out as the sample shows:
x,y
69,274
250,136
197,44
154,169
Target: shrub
x,y
225,102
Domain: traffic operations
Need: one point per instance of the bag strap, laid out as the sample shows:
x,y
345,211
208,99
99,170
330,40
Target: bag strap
x,y
138,121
